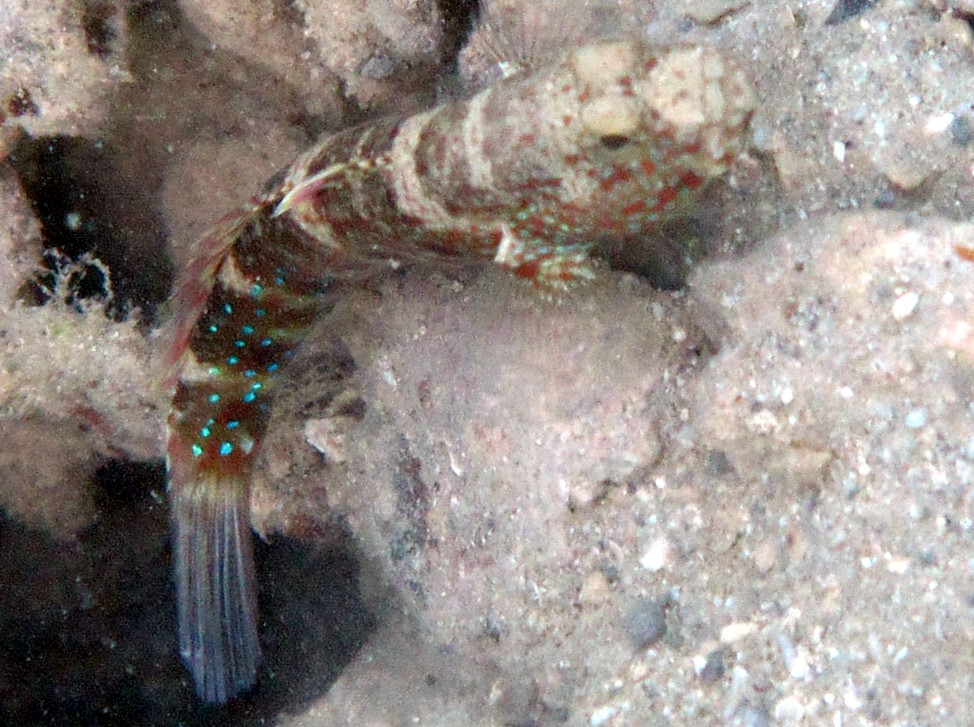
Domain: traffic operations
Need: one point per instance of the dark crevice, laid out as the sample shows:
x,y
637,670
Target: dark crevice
x,y
312,619
95,220
459,19
151,22
966,16
664,258
88,632
122,485
847,9
97,17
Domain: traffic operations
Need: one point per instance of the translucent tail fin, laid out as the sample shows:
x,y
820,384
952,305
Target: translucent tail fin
x,y
214,570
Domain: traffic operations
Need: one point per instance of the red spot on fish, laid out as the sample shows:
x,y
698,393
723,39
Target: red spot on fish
x,y
528,270
648,167
691,180
666,196
634,208
619,174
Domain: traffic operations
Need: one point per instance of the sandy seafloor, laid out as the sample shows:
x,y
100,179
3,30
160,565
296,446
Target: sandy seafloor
x,y
742,501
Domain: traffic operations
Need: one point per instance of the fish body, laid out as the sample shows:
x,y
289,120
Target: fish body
x,y
607,141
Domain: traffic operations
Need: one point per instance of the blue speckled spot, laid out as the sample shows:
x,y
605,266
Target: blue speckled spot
x,y
213,370
233,424
214,328
214,398
225,449
249,397
247,330
239,344
227,308
256,386
272,368
260,312
233,360
250,373
205,432
266,342
197,450
256,290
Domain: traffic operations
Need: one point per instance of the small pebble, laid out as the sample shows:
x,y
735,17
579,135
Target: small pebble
x,y
656,556
898,565
961,132
789,709
646,621
328,437
602,715
938,124
766,554
798,667
904,306
751,715
838,151
916,419
595,589
714,667
794,658
763,422
718,464
378,67
737,631
851,699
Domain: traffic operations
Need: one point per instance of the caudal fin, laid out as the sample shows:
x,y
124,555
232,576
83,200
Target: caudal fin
x,y
214,571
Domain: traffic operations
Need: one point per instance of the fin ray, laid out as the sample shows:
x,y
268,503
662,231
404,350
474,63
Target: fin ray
x,y
214,571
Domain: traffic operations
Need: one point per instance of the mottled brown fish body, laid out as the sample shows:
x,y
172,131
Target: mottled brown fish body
x,y
610,140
